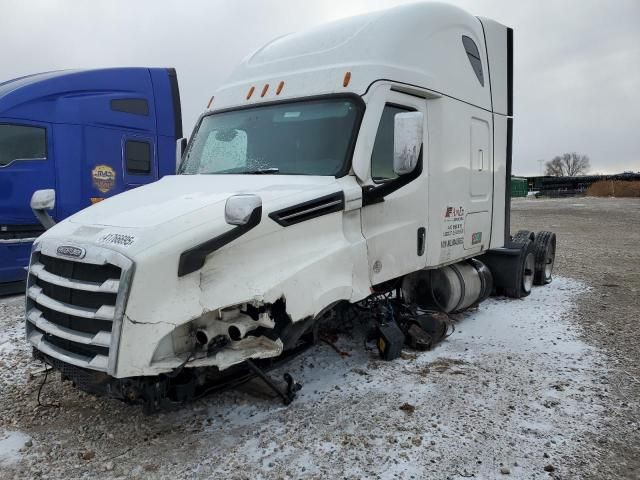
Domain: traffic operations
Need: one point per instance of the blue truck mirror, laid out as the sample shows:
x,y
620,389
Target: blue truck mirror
x,y
41,202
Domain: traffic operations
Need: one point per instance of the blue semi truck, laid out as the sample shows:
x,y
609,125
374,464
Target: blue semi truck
x,y
87,135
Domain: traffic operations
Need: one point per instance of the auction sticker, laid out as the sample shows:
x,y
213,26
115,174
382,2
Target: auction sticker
x,y
103,177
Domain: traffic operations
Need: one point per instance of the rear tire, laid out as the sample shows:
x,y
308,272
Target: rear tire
x,y
545,255
526,271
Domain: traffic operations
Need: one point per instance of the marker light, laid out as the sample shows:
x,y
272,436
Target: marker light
x,y
347,79
251,90
280,87
264,90
239,208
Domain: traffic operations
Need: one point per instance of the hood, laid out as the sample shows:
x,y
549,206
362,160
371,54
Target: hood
x,y
178,196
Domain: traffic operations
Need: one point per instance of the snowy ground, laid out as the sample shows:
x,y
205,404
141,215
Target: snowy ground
x,y
512,392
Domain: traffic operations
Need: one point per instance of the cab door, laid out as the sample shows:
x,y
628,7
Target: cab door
x,y
394,225
117,160
26,165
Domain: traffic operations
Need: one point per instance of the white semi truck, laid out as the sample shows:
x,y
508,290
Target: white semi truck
x,y
368,152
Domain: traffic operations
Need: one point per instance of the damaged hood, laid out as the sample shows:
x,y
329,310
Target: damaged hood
x,y
181,206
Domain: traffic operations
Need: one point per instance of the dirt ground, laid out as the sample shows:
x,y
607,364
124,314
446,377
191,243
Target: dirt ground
x,y
545,387
599,243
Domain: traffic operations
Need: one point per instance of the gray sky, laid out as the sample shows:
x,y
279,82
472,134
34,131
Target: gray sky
x,y
577,62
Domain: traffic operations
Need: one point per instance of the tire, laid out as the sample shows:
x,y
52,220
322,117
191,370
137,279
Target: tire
x,y
545,256
526,270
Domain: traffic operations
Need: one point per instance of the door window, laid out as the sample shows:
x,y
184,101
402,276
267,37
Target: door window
x,y
138,157
21,142
382,155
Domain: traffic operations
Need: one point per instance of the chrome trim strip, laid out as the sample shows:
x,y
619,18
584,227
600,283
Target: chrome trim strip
x,y
100,339
312,209
105,312
9,241
99,362
108,286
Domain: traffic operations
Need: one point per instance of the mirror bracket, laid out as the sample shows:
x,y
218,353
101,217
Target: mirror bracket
x,y
41,202
181,147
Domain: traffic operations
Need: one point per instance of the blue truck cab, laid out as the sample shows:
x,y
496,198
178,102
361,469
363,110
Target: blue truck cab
x,y
88,135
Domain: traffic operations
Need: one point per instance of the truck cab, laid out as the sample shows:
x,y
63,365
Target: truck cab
x,y
85,134
331,163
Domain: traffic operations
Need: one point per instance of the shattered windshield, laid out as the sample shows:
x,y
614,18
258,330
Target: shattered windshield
x,y
300,138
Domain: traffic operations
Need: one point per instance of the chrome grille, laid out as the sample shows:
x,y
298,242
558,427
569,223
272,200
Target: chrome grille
x,y
75,306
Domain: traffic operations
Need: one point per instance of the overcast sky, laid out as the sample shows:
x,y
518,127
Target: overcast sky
x,y
577,62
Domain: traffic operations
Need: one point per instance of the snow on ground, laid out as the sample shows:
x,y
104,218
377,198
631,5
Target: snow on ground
x,y
511,393
508,392
10,445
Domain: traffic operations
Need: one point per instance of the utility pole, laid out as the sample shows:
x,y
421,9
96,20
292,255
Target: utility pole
x,y
541,162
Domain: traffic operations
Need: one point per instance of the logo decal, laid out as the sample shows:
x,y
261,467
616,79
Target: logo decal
x,y
476,238
69,251
103,177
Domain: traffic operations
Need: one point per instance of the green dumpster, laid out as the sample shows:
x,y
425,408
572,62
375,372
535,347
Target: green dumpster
x,y
519,187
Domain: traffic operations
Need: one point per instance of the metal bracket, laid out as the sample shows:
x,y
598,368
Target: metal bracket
x,y
292,387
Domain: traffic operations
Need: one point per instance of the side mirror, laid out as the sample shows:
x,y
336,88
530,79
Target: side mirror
x,y
41,201
181,146
407,141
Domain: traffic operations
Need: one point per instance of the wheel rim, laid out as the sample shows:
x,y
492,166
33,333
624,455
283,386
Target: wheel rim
x,y
548,262
528,272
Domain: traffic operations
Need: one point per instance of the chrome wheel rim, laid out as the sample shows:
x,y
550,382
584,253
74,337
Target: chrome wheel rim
x,y
548,263
528,272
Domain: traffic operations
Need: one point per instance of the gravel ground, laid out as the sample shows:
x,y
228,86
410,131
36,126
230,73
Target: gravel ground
x,y
599,244
544,387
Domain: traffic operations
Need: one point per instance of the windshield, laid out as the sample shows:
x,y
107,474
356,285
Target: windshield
x,y
299,138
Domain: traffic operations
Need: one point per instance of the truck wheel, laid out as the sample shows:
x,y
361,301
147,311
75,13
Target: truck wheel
x,y
545,256
525,277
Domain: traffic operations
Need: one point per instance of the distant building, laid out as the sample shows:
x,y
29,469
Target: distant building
x,y
570,186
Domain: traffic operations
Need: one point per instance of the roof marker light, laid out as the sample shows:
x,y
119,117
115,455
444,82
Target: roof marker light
x,y
347,79
264,89
280,87
210,102
251,90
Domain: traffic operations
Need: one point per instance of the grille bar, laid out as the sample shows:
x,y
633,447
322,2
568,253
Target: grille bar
x,y
105,312
100,339
75,307
108,286
97,362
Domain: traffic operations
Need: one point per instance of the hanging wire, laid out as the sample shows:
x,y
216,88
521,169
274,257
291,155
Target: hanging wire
x,y
44,380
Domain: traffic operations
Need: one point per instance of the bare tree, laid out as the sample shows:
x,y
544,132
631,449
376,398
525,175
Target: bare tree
x,y
568,165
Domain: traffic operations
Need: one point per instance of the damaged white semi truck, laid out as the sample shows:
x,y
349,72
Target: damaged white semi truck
x,y
368,154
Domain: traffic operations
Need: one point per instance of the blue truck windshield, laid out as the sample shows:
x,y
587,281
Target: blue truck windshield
x,y
20,142
312,137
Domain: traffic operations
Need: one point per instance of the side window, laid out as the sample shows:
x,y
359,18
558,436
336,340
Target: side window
x,y
137,157
136,106
473,55
382,155
21,142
